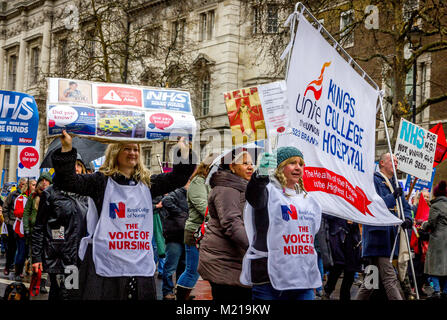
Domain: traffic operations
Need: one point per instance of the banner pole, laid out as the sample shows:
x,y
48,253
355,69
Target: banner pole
x,y
159,163
411,188
400,199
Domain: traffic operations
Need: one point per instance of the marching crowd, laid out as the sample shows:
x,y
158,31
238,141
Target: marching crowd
x,y
252,233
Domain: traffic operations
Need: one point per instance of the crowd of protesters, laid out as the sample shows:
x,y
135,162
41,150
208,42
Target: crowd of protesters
x,y
120,226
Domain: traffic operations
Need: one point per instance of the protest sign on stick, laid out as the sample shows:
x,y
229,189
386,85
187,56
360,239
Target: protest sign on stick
x,y
415,150
257,113
29,160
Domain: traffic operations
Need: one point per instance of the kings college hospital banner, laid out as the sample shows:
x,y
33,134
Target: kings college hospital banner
x,y
333,116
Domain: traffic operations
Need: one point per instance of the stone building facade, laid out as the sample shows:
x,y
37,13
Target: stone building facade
x,y
31,47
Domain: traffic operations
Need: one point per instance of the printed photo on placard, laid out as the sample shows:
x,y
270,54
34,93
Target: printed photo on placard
x,y
73,119
245,115
121,123
75,91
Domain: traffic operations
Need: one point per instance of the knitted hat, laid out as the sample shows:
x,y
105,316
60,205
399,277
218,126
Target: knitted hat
x,y
440,189
285,153
46,176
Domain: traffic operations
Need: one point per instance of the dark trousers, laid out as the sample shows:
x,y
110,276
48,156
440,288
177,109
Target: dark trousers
x,y
387,277
57,288
348,279
225,292
11,248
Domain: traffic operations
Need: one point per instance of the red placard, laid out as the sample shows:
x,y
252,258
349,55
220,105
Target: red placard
x,y
119,96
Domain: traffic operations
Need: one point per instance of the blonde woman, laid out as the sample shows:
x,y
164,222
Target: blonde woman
x,y
281,221
117,254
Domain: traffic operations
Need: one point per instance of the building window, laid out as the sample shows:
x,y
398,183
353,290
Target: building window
x,y
6,164
63,56
206,25
256,20
272,19
346,22
90,43
12,72
153,38
34,65
424,83
147,156
178,32
205,104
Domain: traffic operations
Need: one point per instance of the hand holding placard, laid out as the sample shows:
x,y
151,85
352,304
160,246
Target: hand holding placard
x,y
66,141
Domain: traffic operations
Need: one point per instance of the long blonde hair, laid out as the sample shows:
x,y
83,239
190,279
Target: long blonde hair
x,y
110,166
279,172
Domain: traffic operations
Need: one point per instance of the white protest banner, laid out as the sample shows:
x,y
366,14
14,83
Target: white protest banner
x,y
333,112
256,113
415,150
29,161
110,111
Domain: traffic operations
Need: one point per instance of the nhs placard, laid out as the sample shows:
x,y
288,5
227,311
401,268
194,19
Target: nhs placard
x,y
415,150
19,119
170,100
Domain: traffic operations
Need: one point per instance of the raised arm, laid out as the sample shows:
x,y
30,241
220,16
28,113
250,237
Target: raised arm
x,y
64,161
256,192
183,168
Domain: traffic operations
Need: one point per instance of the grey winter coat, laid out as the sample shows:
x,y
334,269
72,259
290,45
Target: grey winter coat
x,y
436,259
225,242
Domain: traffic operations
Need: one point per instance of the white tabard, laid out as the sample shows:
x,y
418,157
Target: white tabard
x,y
122,241
292,260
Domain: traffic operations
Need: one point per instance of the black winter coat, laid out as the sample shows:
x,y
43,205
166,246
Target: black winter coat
x,y
344,239
176,206
94,185
54,248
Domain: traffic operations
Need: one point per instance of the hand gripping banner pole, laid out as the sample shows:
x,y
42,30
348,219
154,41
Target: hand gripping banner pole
x,y
399,202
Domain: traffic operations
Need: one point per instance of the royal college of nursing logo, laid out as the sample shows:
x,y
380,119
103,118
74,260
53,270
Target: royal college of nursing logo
x,y
288,213
117,210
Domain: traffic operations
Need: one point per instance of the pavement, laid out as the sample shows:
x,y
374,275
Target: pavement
x,y
202,290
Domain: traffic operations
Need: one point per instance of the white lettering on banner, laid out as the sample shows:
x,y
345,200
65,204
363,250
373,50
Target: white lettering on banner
x,y
332,113
20,111
163,96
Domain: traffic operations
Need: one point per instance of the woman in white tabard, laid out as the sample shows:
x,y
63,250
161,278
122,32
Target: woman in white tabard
x,y
117,261
281,221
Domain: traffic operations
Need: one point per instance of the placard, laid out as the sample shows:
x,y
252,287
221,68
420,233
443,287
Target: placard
x,y
415,150
117,112
255,113
19,118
